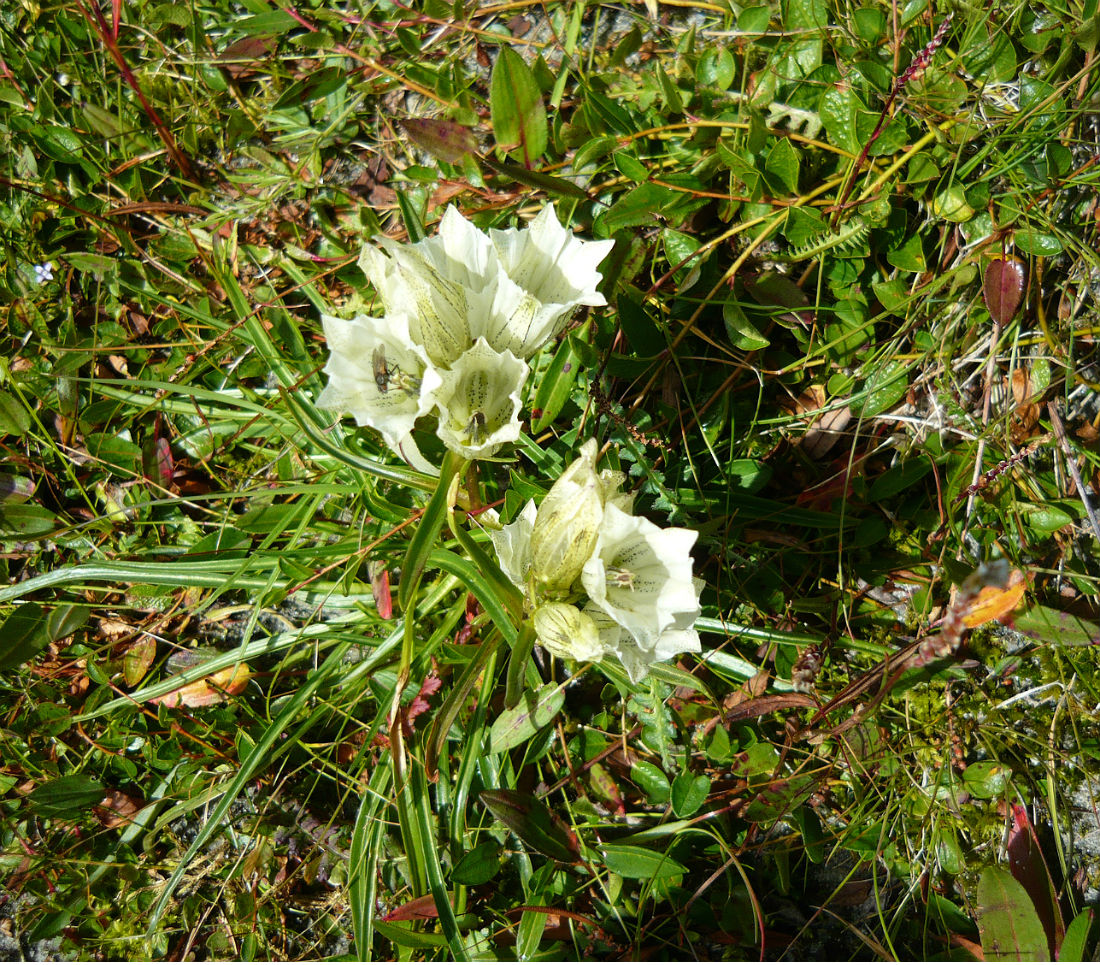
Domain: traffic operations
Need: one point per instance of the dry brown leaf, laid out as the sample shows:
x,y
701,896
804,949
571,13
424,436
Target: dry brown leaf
x,y
210,690
117,809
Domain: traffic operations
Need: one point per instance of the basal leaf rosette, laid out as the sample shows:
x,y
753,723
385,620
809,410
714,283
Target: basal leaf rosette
x,y
380,377
546,274
640,575
440,283
478,401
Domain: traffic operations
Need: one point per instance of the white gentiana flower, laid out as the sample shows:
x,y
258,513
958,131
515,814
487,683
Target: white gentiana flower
x,y
567,524
440,283
513,545
380,377
567,632
640,576
479,401
617,641
547,274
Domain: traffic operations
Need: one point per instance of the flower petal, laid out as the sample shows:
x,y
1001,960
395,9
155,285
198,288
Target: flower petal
x,y
441,283
546,274
479,401
513,545
640,575
381,378
567,524
567,633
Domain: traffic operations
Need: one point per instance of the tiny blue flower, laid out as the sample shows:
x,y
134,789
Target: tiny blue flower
x,y
43,273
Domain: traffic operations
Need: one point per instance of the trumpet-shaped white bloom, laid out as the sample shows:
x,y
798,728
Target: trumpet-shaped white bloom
x,y
463,311
513,544
640,576
547,273
567,524
617,641
440,283
380,377
479,401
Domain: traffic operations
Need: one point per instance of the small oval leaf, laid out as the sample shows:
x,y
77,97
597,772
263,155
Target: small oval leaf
x,y
651,779
478,866
139,658
630,861
689,791
1038,243
516,108
445,140
528,717
1003,288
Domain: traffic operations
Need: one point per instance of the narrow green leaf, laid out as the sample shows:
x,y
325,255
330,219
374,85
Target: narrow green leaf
x,y
407,938
1075,944
426,822
556,386
65,796
279,737
363,854
527,718
454,703
427,531
516,109
536,179
631,861
1007,920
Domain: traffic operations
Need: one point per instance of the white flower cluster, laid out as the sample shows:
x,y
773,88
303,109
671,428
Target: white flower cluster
x,y
599,580
464,310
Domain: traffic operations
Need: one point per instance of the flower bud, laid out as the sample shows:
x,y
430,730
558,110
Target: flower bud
x,y
567,633
567,524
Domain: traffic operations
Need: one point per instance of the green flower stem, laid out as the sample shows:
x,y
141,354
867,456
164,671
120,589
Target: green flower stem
x,y
427,533
501,587
517,664
416,559
448,712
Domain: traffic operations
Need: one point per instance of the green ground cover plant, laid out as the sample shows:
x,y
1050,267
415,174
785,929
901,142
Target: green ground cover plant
x,y
328,625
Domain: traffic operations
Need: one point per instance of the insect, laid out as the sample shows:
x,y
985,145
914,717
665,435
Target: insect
x,y
475,427
382,372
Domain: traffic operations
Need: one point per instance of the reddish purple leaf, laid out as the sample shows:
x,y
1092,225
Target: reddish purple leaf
x,y
445,140
419,909
1004,288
